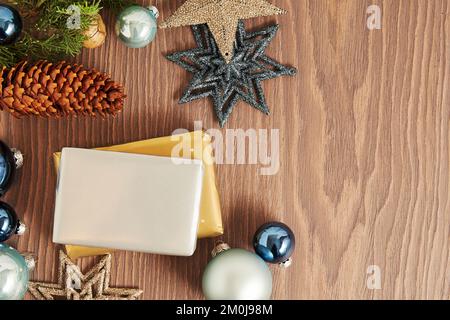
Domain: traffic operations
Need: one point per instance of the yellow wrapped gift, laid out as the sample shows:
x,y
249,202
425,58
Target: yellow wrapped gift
x,y
198,145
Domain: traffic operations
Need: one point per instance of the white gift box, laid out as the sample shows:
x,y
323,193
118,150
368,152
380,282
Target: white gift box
x,y
127,202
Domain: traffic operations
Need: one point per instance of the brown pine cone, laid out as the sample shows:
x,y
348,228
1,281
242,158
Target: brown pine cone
x,y
56,90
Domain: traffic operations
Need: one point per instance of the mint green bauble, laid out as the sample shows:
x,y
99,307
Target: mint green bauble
x,y
13,274
136,26
237,274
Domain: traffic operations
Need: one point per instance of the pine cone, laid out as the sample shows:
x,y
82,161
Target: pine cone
x,y
55,90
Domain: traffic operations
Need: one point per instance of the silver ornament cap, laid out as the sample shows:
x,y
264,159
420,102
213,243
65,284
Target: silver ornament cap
x,y
18,157
154,10
30,260
220,247
236,274
286,264
21,228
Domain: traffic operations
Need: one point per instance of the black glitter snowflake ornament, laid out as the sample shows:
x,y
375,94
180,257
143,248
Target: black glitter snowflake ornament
x,y
227,83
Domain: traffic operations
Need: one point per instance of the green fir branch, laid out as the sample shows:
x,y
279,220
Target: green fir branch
x,y
54,40
57,12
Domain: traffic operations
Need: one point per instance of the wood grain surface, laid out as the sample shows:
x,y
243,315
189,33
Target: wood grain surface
x,y
364,138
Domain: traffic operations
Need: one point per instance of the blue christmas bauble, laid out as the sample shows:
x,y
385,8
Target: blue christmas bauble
x,y
274,242
13,274
7,167
10,24
9,223
136,26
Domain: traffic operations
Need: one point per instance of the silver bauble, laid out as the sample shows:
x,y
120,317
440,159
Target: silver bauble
x,y
136,26
237,274
13,274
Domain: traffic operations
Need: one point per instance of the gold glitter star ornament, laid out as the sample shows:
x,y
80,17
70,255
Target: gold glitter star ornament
x,y
73,285
222,18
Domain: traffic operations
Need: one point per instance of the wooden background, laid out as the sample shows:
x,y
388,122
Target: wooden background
x,y
364,177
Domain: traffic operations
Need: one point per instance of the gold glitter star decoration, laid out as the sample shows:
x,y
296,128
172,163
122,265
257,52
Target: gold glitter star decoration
x,y
74,285
222,18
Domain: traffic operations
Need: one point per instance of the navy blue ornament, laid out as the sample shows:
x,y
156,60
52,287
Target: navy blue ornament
x,y
274,242
10,24
10,160
7,168
9,223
